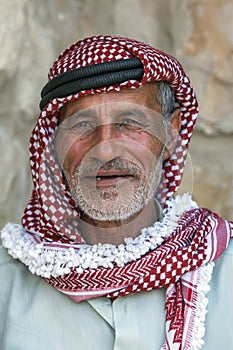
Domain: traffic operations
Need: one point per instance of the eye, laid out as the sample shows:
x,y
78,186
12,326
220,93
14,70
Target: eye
x,y
80,121
130,123
84,124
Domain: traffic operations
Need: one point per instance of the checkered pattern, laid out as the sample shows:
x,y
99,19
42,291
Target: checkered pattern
x,y
184,251
177,264
51,209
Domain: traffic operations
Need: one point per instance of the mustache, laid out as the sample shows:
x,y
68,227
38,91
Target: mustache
x,y
119,164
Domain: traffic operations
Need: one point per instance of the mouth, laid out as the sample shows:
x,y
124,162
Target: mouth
x,y
108,178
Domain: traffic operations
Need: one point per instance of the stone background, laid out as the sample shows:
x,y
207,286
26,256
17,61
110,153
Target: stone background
x,y
197,32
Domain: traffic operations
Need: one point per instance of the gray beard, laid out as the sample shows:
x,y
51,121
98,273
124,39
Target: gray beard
x,y
118,202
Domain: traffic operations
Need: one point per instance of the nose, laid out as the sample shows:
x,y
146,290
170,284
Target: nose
x,y
108,143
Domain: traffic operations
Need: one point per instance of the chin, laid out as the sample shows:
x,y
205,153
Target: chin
x,y
113,213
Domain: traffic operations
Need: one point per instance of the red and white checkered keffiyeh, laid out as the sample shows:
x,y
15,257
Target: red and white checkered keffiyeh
x,y
179,263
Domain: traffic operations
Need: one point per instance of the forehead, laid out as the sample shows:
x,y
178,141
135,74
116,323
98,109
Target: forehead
x,y
145,96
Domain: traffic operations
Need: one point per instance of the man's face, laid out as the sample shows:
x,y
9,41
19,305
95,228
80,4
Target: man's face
x,y
111,148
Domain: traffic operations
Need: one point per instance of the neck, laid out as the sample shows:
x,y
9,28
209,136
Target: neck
x,y
114,232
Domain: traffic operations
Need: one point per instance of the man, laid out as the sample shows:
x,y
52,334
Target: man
x,y
125,264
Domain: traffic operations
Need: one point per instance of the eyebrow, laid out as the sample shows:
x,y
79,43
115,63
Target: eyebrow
x,y
134,111
119,111
84,113
147,114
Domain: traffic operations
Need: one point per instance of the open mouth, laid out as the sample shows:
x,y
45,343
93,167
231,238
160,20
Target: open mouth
x,y
108,178
111,180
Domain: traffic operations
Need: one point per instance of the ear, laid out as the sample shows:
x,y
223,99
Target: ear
x,y
172,133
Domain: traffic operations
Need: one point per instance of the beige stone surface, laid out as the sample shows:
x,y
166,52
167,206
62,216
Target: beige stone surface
x,y
209,172
197,32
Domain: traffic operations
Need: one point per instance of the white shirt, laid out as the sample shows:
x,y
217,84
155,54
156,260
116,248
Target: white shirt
x,y
35,316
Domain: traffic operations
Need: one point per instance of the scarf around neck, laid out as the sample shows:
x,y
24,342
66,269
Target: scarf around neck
x,y
176,253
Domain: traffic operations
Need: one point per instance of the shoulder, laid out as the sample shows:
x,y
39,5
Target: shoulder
x,y
224,264
227,255
220,306
229,250
224,268
12,270
13,274
6,277
5,259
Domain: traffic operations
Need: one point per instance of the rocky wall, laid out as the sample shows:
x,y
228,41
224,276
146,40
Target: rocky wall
x,y
197,32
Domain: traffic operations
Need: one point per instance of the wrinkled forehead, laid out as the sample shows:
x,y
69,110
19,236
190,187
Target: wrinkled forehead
x,y
144,97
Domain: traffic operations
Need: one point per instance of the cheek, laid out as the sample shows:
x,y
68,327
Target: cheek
x,y
147,145
74,155
145,149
